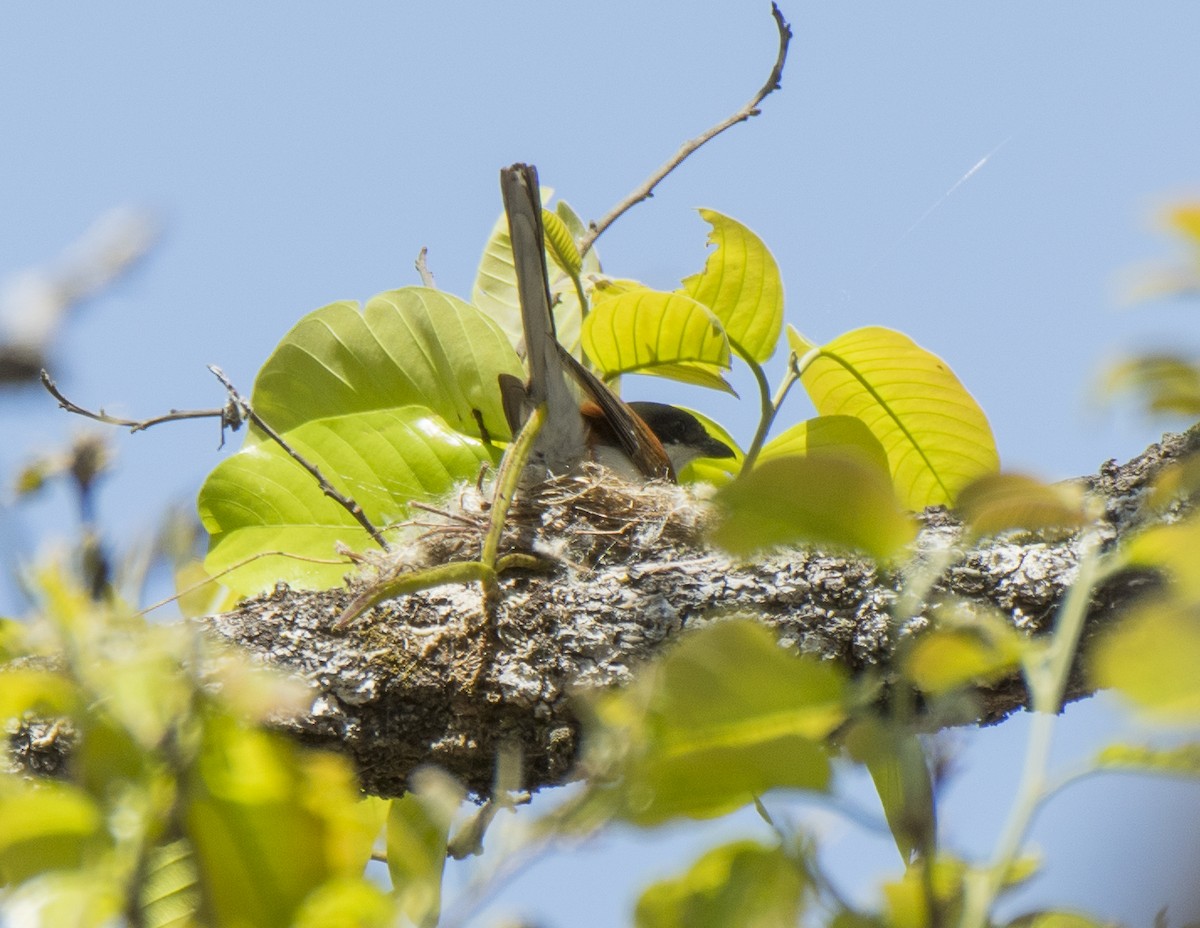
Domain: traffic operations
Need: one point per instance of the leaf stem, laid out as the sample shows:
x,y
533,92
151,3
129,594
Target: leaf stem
x,y
1046,676
769,405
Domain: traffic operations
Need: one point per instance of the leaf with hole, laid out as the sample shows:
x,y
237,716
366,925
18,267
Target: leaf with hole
x,y
740,283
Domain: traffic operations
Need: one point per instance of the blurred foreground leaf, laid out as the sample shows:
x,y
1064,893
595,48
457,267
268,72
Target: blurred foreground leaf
x,y
1166,383
726,716
999,502
1151,657
743,883
831,500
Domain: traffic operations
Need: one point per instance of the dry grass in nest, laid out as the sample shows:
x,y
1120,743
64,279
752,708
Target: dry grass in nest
x,y
585,519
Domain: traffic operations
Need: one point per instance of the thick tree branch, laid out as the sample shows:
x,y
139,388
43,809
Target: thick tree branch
x,y
405,685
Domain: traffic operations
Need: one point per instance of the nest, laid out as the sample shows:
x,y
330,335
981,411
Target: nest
x,y
581,521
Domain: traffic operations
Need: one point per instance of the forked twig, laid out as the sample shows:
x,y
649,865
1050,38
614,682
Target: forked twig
x,y
327,488
646,189
236,411
230,414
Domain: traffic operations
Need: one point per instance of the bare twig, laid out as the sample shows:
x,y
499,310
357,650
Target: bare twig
x,y
230,414
646,189
326,487
422,264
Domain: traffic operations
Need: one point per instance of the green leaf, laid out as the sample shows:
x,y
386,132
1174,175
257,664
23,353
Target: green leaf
x,y
907,899
1000,502
936,437
349,902
897,764
1168,384
1057,919
800,344
828,433
495,288
829,499
83,898
47,826
260,500
1151,657
1171,549
967,647
170,893
699,735
560,244
418,829
744,883
1182,760
41,691
642,330
270,822
740,283
409,347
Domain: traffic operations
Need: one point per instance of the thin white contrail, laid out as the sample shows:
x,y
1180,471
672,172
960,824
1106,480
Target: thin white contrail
x,y
950,192
887,250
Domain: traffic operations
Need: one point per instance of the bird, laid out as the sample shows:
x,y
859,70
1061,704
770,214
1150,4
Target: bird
x,y
639,441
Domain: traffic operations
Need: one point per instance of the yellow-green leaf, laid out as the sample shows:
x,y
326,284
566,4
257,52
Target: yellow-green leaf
x,y
700,734
348,902
560,244
270,822
49,826
740,283
907,899
800,344
744,883
417,831
936,437
1173,549
1058,919
830,500
1181,760
1151,657
1167,384
640,330
896,761
409,347
171,892
844,434
260,500
495,288
999,502
945,659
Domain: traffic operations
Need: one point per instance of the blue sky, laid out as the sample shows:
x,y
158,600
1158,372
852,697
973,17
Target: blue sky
x,y
301,153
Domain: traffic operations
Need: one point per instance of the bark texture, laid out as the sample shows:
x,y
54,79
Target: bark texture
x,y
430,678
